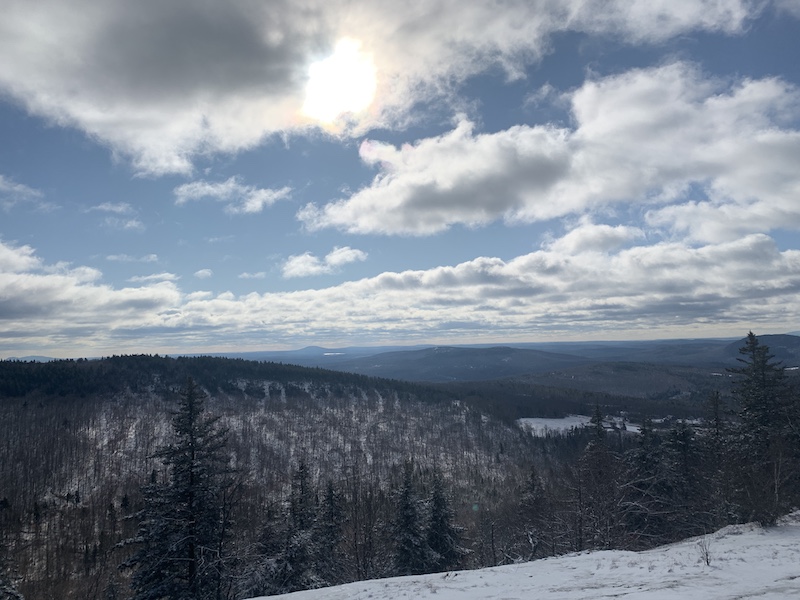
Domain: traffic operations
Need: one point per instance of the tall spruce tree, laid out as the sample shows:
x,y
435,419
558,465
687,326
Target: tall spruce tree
x,y
412,556
328,534
767,435
599,471
182,527
647,491
300,552
443,536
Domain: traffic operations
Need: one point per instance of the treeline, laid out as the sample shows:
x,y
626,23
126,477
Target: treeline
x,y
138,373
363,483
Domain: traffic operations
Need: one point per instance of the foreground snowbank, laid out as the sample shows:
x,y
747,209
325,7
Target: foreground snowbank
x,y
746,561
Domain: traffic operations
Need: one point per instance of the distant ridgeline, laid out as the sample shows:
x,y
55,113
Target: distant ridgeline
x,y
141,373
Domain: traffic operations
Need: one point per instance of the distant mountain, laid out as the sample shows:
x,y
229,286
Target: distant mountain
x,y
695,361
448,363
314,356
785,348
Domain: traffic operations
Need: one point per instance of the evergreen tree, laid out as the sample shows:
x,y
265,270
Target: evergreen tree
x,y
328,533
718,465
412,556
8,590
288,550
536,513
647,491
766,440
182,527
599,473
690,510
443,537
299,556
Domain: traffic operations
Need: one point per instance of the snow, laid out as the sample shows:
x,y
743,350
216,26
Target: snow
x,y
541,426
746,561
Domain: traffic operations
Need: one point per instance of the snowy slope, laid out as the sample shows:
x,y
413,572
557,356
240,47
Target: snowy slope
x,y
746,561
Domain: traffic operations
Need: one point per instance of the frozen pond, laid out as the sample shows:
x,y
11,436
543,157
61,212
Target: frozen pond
x,y
540,426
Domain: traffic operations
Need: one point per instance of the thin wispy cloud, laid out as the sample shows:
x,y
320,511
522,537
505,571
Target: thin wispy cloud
x,y
237,197
119,208
122,224
13,193
154,277
204,273
147,258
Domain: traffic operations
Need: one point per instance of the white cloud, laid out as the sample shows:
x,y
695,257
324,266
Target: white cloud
x,y
662,137
163,82
12,193
564,290
259,275
790,6
238,198
124,224
306,264
56,305
154,277
588,237
147,258
203,273
17,259
119,208
458,177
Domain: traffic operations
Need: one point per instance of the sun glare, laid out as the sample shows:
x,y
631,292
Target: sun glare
x,y
342,83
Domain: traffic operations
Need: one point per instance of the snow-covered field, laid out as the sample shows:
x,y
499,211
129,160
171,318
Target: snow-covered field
x,y
746,561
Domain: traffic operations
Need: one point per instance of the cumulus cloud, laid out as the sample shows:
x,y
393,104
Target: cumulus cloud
x,y
564,289
306,264
51,303
203,273
160,83
17,259
662,137
258,275
238,198
588,237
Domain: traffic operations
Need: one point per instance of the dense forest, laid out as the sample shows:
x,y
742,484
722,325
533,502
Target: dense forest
x,y
150,477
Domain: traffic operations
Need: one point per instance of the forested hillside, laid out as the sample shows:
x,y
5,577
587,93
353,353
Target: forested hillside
x,y
230,478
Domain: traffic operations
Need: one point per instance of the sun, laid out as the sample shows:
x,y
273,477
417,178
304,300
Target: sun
x,y
345,82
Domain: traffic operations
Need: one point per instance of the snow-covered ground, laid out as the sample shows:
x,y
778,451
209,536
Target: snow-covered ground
x,y
746,561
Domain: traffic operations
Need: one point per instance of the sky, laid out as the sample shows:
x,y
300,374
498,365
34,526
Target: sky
x,y
222,176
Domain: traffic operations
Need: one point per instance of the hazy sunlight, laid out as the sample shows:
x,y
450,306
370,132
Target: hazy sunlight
x,y
342,83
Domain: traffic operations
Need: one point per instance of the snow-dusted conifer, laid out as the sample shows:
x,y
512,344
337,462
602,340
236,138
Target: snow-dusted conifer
x,y
412,556
768,436
182,526
443,536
